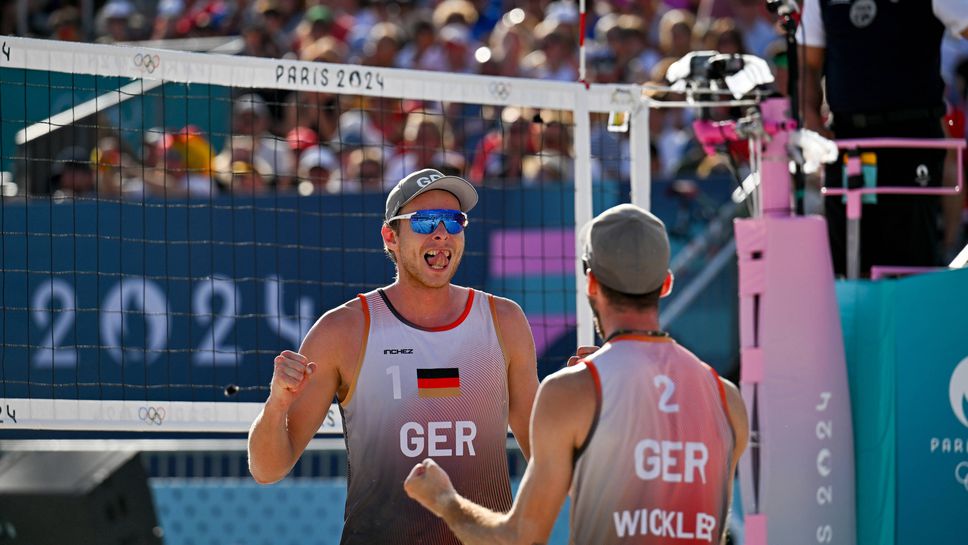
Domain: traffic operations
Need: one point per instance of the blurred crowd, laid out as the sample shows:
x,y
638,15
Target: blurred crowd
x,y
321,143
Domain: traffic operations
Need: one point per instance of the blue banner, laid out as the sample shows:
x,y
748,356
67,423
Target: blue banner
x,y
180,299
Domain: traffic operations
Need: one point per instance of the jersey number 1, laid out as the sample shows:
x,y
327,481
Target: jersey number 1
x,y
394,372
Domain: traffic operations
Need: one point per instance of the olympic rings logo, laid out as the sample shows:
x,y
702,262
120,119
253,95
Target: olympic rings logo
x,y
147,63
961,474
500,89
152,415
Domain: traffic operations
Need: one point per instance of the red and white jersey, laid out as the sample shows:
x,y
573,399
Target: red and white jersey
x,y
655,467
439,393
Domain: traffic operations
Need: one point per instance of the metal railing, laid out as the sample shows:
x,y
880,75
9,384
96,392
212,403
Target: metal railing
x,y
854,195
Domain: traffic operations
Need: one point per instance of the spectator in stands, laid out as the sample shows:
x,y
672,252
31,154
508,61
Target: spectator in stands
x,y
317,23
65,24
166,19
637,30
363,172
612,149
388,117
510,42
188,164
207,22
556,132
150,172
649,10
316,112
500,156
238,149
356,129
250,118
382,46
725,37
110,164
752,21
626,55
675,33
556,58
422,52
8,17
318,172
458,49
450,163
668,129
604,49
358,20
278,18
116,20
71,174
292,15
258,42
455,12
300,139
249,179
325,49
534,9
427,140
554,163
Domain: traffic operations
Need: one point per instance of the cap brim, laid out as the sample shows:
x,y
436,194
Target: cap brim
x,y
459,187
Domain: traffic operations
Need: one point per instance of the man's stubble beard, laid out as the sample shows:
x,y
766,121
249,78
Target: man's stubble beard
x,y
416,272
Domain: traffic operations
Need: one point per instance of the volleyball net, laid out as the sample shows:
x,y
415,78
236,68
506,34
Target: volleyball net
x,y
171,221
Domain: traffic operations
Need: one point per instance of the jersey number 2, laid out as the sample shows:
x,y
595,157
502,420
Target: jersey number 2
x,y
667,388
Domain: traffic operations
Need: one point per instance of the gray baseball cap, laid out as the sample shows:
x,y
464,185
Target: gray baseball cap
x,y
627,248
425,180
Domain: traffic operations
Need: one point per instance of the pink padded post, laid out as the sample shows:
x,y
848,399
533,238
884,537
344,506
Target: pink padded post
x,y
755,531
751,371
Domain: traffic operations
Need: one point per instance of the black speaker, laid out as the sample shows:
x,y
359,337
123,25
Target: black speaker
x,y
81,498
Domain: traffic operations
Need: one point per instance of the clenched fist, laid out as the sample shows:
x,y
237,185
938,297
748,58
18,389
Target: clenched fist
x,y
429,484
290,374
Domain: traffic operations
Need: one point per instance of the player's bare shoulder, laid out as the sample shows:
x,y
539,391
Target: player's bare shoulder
x,y
577,380
512,321
570,389
506,308
337,336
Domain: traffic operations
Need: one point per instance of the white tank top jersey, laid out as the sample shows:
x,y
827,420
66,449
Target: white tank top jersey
x,y
655,467
421,392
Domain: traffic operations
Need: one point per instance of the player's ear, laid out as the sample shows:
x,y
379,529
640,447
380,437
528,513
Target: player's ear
x,y
389,236
667,284
591,284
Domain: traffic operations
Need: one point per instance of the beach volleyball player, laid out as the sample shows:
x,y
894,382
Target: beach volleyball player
x,y
643,435
420,368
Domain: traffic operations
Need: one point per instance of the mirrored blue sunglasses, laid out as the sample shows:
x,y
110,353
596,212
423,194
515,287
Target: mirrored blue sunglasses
x,y
424,222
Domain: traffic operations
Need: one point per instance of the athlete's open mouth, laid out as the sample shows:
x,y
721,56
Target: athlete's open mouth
x,y
437,259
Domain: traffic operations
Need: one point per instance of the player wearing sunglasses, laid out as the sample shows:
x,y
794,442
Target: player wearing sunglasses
x,y
421,367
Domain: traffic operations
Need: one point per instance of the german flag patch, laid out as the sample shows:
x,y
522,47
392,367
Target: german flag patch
x,y
438,382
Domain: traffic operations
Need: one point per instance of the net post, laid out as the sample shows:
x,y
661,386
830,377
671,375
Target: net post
x,y
640,157
583,212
